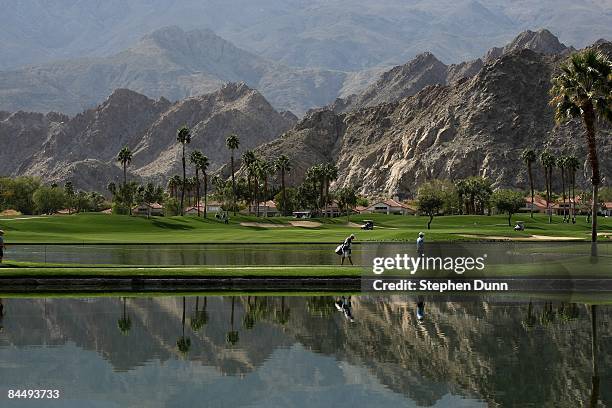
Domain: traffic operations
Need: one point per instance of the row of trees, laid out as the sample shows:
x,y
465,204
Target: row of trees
x,y
568,165
29,196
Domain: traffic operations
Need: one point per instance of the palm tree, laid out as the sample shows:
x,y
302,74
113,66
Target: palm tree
x,y
265,168
248,158
183,343
594,358
232,142
548,161
203,165
330,173
529,156
112,188
562,165
583,90
572,165
183,136
124,324
125,158
196,158
283,164
315,175
232,336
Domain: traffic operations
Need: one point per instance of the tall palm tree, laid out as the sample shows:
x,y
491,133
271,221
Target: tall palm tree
x,y
529,157
248,158
562,165
315,175
232,142
203,165
548,162
583,89
283,165
183,136
125,158
265,169
176,182
196,159
330,173
572,165
124,324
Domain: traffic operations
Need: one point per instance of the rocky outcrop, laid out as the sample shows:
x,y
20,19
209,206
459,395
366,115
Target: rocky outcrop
x,y
426,70
83,149
476,126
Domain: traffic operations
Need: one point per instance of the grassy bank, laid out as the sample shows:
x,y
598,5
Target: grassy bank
x,y
101,228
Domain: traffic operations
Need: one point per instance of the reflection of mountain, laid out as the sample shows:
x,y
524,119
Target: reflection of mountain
x,y
478,349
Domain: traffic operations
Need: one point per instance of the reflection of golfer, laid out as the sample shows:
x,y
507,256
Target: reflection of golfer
x,y
344,305
421,244
346,249
420,311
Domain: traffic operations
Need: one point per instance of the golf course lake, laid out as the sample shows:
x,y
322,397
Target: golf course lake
x,y
296,254
257,351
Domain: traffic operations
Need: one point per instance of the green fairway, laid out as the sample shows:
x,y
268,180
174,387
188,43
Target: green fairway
x,y
102,228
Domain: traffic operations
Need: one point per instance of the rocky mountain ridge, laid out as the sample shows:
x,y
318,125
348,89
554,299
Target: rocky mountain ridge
x,y
83,148
426,70
169,63
475,126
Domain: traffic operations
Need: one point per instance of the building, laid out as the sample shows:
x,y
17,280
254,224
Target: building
x,y
267,207
155,209
538,205
606,209
211,207
389,206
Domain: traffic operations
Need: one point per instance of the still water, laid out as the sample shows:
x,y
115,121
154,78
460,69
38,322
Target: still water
x,y
247,351
295,254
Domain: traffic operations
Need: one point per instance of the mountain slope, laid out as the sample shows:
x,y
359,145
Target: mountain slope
x,y
332,34
168,63
477,126
83,149
426,70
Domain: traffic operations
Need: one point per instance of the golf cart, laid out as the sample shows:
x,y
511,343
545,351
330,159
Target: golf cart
x,y
368,225
520,226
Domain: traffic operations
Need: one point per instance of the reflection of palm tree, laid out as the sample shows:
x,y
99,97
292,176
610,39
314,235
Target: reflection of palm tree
x,y
183,343
530,320
248,321
124,324
320,306
232,335
594,362
199,317
548,314
282,316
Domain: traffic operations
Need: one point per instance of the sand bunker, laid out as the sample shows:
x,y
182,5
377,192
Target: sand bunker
x,y
529,238
262,225
305,224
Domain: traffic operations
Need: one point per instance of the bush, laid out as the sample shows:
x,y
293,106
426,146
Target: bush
x,y
120,209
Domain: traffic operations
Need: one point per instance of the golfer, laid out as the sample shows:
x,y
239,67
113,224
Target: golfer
x,y
420,242
346,249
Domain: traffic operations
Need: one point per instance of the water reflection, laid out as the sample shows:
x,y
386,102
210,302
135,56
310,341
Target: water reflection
x,y
308,351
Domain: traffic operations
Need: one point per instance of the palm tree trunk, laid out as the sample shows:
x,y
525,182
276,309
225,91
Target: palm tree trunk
x,y
563,193
589,122
124,173
184,184
205,194
284,194
198,191
574,196
531,187
233,186
256,185
265,196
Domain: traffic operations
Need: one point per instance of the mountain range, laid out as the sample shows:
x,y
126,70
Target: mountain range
x,y
83,148
330,34
476,126
419,121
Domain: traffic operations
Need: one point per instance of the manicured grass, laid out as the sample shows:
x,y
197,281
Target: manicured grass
x,y
101,228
